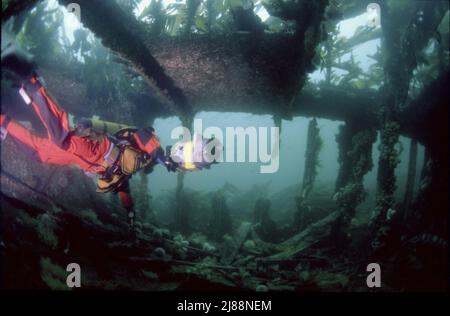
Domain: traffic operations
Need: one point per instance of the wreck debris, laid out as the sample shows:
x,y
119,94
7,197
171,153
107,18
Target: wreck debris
x,y
402,41
313,147
355,156
181,206
159,259
344,142
411,179
220,221
122,33
264,226
312,235
233,245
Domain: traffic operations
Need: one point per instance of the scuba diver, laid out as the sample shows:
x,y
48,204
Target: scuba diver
x,y
112,155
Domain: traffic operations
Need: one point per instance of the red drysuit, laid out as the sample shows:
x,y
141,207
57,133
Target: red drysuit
x,y
62,146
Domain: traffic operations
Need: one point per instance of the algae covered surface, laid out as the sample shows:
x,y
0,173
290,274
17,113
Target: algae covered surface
x,y
354,170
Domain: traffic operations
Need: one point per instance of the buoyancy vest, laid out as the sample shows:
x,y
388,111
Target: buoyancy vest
x,y
126,157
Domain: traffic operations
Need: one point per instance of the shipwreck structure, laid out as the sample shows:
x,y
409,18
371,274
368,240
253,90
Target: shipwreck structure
x,y
242,71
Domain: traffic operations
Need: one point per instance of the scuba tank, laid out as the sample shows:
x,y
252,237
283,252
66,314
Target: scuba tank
x,y
108,127
99,126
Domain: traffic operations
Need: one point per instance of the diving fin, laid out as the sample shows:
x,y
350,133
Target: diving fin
x,y
14,57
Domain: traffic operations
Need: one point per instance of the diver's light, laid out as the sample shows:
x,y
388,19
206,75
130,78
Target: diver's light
x,y
204,149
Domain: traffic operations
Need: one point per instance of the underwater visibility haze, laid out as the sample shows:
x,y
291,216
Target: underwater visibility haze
x,y
326,125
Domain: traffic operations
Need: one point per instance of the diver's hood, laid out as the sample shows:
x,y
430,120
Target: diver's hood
x,y
195,154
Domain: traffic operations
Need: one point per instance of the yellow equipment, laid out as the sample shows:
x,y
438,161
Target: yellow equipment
x,y
107,126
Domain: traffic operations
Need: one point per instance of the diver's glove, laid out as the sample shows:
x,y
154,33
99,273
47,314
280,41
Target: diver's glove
x,y
171,165
15,58
165,160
